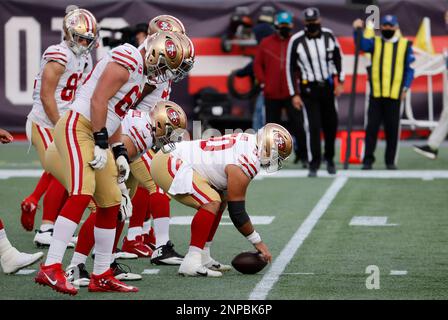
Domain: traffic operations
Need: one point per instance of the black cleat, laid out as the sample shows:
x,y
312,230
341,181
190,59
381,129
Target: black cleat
x,y
366,166
312,173
123,272
426,151
391,167
166,255
78,275
331,168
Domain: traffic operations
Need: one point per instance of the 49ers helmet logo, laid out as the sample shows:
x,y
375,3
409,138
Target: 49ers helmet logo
x,y
170,49
173,116
280,142
164,25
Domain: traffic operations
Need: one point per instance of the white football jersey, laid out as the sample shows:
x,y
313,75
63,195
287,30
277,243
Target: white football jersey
x,y
129,57
136,125
210,157
160,93
74,73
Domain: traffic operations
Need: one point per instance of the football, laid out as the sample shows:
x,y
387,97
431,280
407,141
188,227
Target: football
x,y
249,262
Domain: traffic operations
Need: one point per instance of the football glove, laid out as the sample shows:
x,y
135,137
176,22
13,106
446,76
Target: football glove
x,y
126,204
100,152
122,161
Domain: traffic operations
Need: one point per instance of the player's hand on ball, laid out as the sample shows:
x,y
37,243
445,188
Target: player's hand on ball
x,y
123,169
264,251
99,158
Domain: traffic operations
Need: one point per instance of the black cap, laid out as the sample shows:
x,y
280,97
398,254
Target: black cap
x,y
311,14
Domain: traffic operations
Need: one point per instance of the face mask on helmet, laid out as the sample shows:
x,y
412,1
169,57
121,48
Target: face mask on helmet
x,y
274,146
164,55
169,123
80,31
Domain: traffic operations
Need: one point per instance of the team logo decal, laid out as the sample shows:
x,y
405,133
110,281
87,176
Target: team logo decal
x,y
173,116
280,142
73,21
170,49
164,26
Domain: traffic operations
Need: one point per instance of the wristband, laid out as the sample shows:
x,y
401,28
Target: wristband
x,y
254,237
119,149
101,138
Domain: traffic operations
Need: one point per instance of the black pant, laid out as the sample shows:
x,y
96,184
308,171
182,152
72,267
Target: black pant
x,y
387,111
273,110
320,112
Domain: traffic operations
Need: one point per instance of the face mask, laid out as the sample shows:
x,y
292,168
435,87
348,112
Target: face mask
x,y
313,27
284,32
387,34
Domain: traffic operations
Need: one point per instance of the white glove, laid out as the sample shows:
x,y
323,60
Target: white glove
x,y
126,204
100,158
123,169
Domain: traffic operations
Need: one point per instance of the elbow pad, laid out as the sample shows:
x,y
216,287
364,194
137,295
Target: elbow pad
x,y
237,213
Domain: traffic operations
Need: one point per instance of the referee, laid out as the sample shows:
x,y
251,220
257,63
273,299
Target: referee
x,y
315,56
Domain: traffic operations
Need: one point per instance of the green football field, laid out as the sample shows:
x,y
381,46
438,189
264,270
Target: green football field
x,y
324,233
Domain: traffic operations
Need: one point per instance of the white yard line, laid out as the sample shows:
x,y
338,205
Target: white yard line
x,y
278,266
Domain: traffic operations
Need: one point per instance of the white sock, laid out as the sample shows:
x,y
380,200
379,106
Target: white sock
x,y
162,231
193,249
207,249
62,233
104,242
5,245
134,232
146,227
78,258
46,226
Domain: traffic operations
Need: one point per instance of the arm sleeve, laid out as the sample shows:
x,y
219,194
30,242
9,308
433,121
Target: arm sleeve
x,y
259,65
291,66
365,44
124,56
57,54
408,70
337,59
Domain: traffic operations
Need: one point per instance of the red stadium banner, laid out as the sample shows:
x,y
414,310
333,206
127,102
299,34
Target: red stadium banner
x,y
28,28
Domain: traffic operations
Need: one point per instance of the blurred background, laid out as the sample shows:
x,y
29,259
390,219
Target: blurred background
x,y
222,32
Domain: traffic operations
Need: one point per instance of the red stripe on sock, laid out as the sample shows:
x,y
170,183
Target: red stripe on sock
x,y
74,207
54,200
140,205
1,224
214,226
106,218
200,227
41,186
159,205
86,238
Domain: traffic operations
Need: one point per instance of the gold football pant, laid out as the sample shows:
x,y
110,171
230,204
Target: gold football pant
x,y
75,145
164,168
41,138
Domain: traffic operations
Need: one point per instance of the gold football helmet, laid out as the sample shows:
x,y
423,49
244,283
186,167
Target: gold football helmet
x,y
169,122
274,146
165,23
188,62
80,24
164,55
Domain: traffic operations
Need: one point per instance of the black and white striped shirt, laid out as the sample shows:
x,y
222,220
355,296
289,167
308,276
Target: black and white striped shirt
x,y
315,59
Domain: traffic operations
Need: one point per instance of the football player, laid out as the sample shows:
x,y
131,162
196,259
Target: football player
x,y
61,73
155,200
207,175
11,259
83,136
140,132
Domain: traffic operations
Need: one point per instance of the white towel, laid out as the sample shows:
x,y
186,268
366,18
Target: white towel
x,y
183,180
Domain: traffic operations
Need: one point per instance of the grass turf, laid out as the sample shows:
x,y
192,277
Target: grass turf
x,y
335,252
